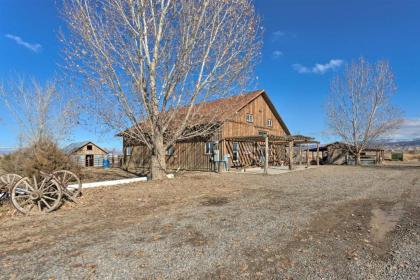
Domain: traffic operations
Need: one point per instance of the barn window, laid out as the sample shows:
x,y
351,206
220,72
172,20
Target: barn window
x,y
128,150
208,149
89,147
170,151
269,123
249,118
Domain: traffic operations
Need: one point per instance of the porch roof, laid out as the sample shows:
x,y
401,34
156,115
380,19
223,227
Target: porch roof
x,y
297,139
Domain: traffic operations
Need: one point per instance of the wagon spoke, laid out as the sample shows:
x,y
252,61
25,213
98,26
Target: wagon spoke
x,y
35,182
39,205
64,179
45,202
53,192
47,186
49,198
29,186
23,196
69,195
43,183
22,190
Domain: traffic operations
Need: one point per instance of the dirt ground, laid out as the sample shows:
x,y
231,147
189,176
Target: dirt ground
x,y
323,223
92,174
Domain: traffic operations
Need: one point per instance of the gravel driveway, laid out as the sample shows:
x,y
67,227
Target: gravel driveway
x,y
324,223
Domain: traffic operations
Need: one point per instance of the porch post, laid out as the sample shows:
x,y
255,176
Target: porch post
x,y
266,155
307,155
317,154
300,154
222,154
291,155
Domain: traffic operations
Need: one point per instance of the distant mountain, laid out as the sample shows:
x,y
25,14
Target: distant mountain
x,y
5,151
401,145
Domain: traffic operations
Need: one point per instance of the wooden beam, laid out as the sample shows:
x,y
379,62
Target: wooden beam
x,y
307,155
317,154
300,155
266,155
291,144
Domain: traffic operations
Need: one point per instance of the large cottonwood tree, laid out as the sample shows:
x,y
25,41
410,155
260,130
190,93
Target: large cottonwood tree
x,y
359,107
148,62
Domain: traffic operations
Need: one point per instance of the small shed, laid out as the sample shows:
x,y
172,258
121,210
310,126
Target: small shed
x,y
86,154
338,153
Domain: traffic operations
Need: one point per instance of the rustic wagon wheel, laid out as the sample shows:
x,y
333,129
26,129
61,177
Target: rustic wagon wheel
x,y
7,182
70,182
31,195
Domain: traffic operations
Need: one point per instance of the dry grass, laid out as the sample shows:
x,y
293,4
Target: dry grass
x,y
303,225
101,174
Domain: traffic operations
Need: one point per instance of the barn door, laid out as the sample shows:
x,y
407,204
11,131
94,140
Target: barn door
x,y
89,160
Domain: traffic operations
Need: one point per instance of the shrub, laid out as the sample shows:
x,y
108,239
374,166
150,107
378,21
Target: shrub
x,y
44,156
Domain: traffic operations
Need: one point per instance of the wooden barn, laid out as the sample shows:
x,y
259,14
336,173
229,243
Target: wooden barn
x,y
86,154
250,132
338,153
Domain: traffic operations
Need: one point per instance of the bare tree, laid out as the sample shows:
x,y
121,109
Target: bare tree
x,y
42,112
359,108
149,62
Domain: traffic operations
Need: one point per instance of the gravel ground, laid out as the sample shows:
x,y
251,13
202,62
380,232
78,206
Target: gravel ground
x,y
324,223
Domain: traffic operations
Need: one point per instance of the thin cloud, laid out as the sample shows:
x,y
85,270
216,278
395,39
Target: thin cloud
x,y
277,54
301,69
318,68
18,40
276,35
409,130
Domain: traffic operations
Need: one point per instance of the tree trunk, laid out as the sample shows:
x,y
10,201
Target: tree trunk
x,y
357,159
158,160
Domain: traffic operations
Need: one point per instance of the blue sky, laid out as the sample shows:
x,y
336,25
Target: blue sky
x,y
298,36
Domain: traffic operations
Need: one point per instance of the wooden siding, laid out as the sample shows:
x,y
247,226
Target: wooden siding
x,y
139,158
80,160
187,156
261,112
190,156
84,151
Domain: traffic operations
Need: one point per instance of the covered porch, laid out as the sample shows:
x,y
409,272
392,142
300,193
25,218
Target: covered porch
x,y
270,151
